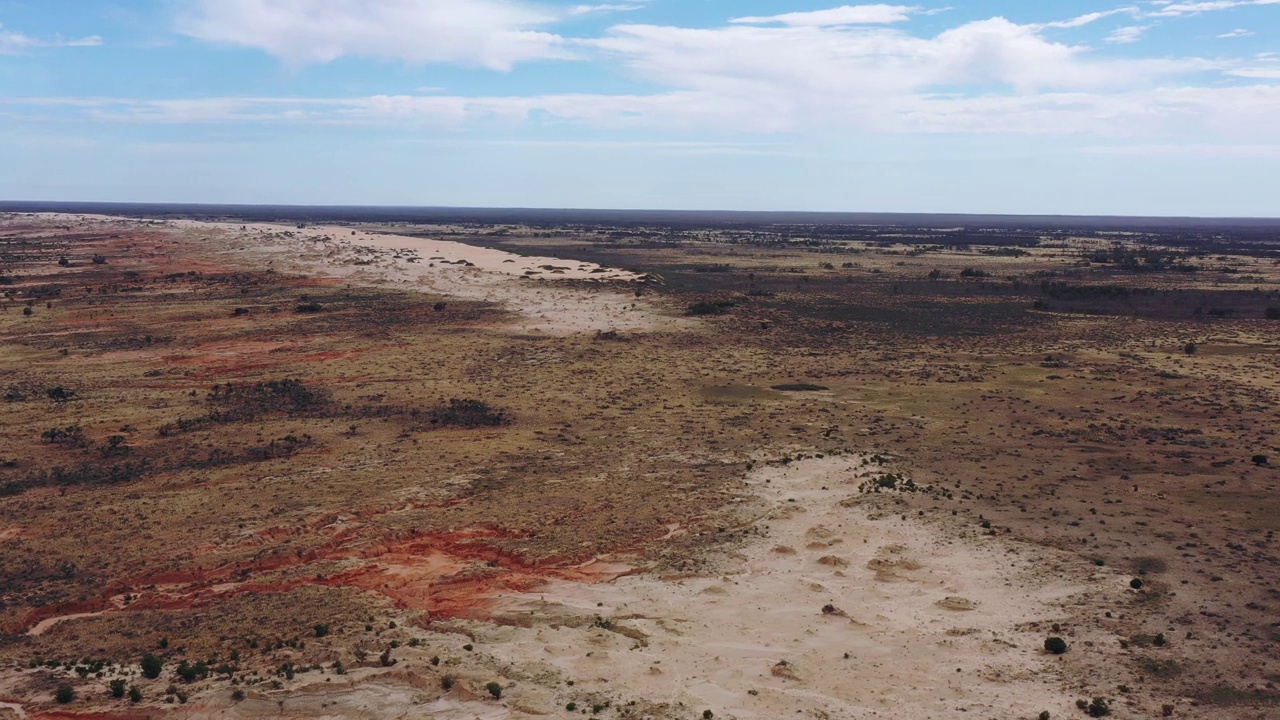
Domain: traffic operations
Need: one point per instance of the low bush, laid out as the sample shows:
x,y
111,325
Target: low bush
x,y
1055,645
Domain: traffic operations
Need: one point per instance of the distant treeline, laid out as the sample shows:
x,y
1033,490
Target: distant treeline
x,y
813,223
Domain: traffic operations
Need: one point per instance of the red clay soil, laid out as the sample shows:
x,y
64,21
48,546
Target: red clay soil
x,y
448,575
64,715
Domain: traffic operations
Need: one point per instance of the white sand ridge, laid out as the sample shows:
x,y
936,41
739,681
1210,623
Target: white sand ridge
x,y
524,284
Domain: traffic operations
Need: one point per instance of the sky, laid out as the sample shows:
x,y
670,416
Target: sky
x,y
1159,107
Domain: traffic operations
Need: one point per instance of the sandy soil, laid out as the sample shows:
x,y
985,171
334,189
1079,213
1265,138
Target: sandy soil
x,y
540,297
917,623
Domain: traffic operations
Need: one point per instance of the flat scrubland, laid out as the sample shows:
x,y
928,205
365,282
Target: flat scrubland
x,y
752,472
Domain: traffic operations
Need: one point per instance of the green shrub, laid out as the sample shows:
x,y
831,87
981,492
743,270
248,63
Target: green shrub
x,y
1099,708
1136,583
64,694
151,666
135,695
494,689
321,630
117,688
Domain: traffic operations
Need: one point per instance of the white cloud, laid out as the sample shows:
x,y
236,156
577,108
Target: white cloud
x,y
495,34
1258,73
1179,9
1199,150
784,63
1086,19
1127,34
1231,114
604,8
1237,33
13,42
844,15
986,76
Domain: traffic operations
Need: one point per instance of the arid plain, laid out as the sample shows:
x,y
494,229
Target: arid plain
x,y
508,471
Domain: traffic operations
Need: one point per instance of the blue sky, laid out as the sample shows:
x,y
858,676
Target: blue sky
x,y
1082,107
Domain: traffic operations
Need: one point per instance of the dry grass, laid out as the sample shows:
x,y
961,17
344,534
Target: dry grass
x,y
1082,425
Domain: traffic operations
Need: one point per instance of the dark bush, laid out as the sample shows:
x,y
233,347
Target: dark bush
x,y
1099,707
709,308
1136,583
135,695
1259,460
321,630
1055,645
310,307
494,689
190,673
798,387
245,402
69,436
151,666
467,413
117,688
64,694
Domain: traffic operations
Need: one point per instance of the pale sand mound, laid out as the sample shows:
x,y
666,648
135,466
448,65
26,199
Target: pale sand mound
x,y
525,285
891,603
